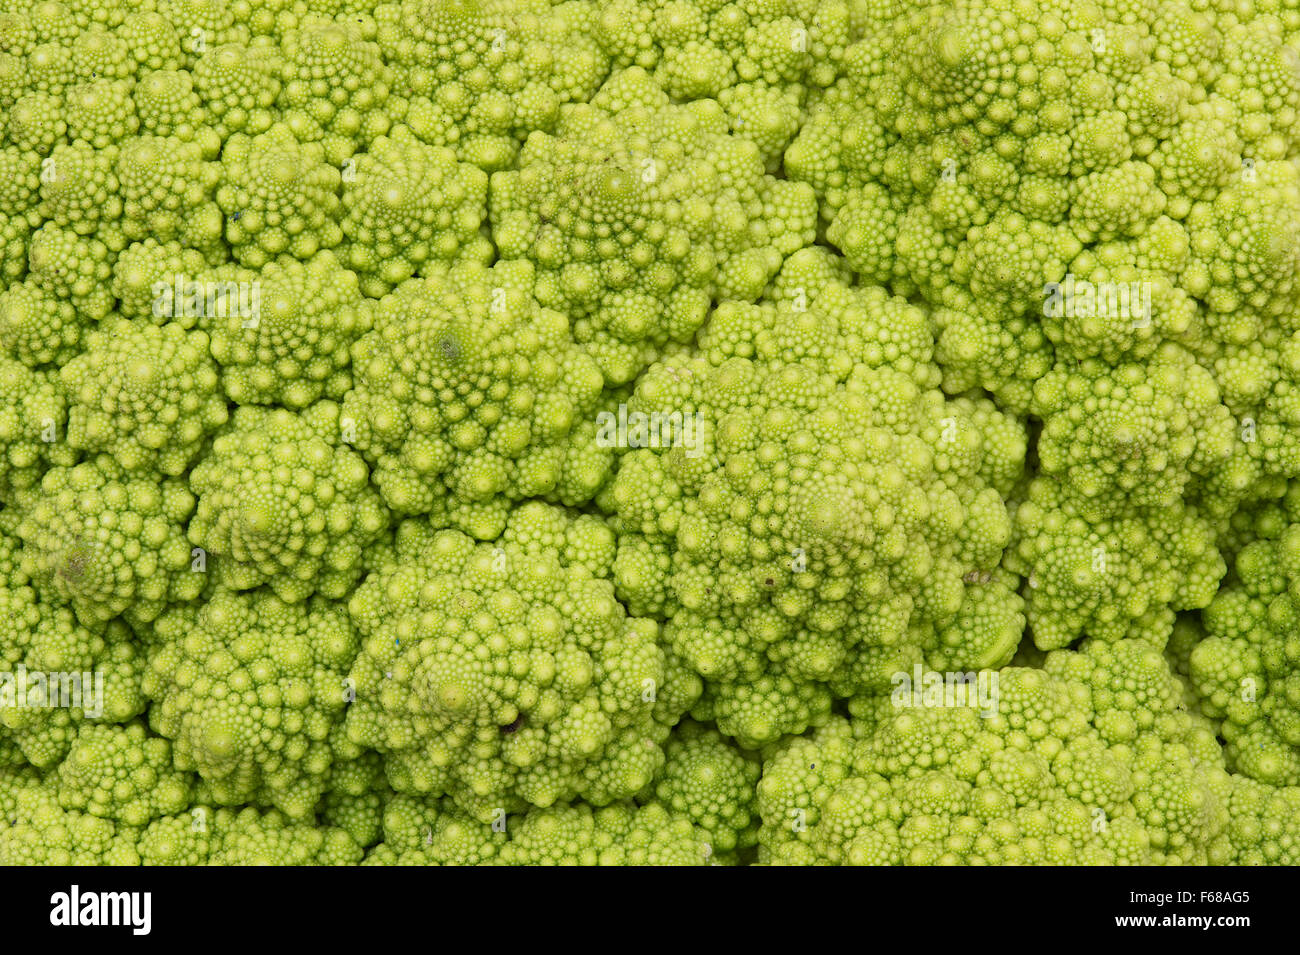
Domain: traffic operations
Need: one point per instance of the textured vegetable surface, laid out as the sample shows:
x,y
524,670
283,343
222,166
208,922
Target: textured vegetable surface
x,y
649,432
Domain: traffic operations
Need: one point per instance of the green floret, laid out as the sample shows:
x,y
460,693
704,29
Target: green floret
x,y
238,86
582,540
1108,308
227,837
503,678
56,22
247,837
152,42
14,236
13,80
711,781
642,569
758,59
36,122
1134,694
145,394
980,152
1270,429
182,840
1245,245
145,277
1040,772
101,112
41,833
620,835
19,31
248,688
1109,576
280,196
13,780
824,504
1264,823
434,832
60,675
108,542
408,207
1201,156
1258,78
76,269
637,212
1008,260
33,426
99,52
120,773
480,75
979,346
468,390
203,24
50,70
768,116
987,628
649,432
357,794
281,502
288,342
1118,201
1131,436
1243,672
79,188
335,76
882,330
167,190
168,105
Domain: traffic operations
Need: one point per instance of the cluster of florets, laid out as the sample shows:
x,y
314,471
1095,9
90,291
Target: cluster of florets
x,y
1088,761
649,432
504,676
810,508
638,213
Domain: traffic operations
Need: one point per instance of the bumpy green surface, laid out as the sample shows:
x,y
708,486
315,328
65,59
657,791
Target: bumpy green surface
x,y
649,432
505,679
822,505
467,382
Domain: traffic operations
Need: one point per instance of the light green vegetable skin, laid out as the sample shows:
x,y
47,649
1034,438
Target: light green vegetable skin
x,y
559,432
